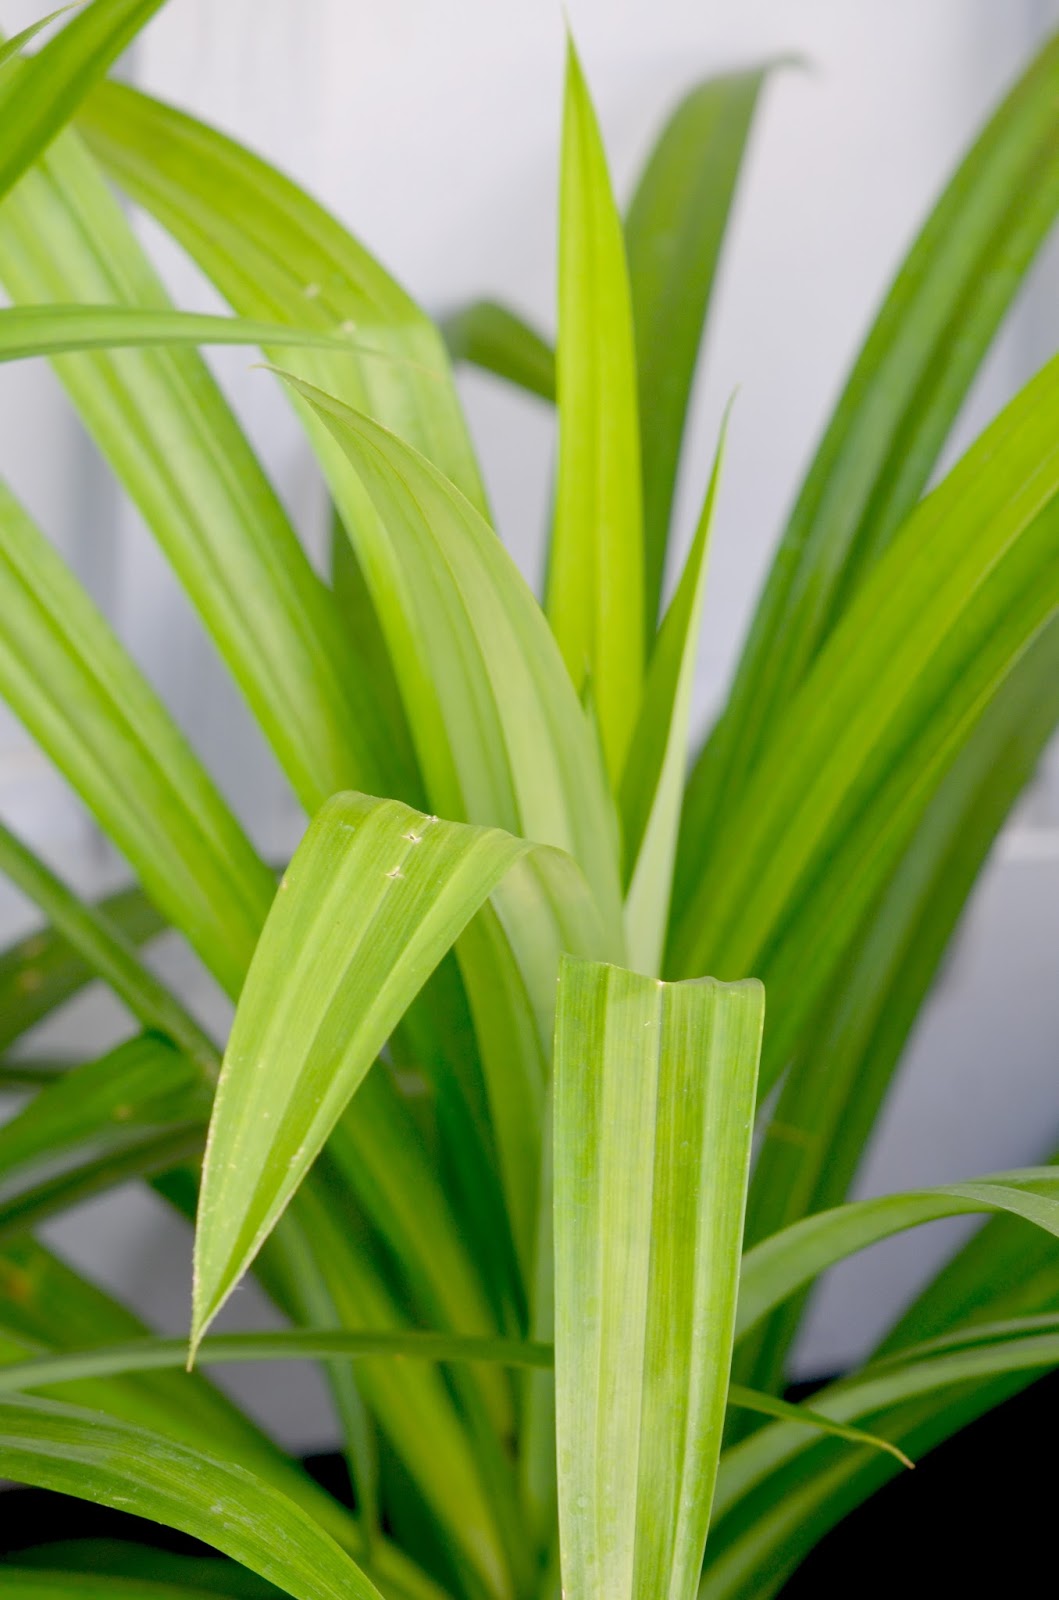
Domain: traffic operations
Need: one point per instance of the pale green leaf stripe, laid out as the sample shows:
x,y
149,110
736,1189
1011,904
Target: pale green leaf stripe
x,y
884,440
41,96
595,576
782,1264
72,684
929,641
162,423
87,944
491,336
501,738
675,232
84,1453
27,331
652,785
375,896
275,253
767,1405
654,1097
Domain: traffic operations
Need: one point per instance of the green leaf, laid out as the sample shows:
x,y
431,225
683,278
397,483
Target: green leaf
x,y
767,1405
75,688
23,1585
654,1097
779,1266
83,1453
374,897
493,337
675,232
27,331
13,47
127,1096
40,972
883,443
653,782
90,1559
928,642
274,253
85,943
832,1093
500,736
313,1344
595,577
791,1495
38,97
162,423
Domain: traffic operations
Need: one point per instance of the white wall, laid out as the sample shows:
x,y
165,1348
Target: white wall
x,y
433,129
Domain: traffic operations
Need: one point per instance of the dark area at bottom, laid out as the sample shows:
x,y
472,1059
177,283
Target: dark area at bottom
x,y
976,1515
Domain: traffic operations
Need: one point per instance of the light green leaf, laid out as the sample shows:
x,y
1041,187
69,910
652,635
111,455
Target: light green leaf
x,y
780,1265
163,425
654,1097
675,232
493,337
38,97
73,685
928,642
275,254
832,1093
85,943
86,1454
883,443
12,47
374,897
500,736
653,782
40,972
27,331
767,1405
595,577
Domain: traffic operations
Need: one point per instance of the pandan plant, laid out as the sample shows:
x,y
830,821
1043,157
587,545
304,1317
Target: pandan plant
x,y
483,1126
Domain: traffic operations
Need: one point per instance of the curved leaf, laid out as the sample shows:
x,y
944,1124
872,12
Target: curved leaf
x,y
52,330
491,336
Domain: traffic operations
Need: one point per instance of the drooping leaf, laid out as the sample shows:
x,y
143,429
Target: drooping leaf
x,y
653,781
38,97
654,1098
883,443
783,1263
76,689
84,1453
374,897
675,233
595,576
56,330
162,423
767,1405
495,338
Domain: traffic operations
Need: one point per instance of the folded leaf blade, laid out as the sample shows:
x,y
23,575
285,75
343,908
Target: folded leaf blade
x,y
654,1099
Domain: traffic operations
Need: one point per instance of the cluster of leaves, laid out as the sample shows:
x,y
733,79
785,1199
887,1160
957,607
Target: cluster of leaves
x,y
546,1288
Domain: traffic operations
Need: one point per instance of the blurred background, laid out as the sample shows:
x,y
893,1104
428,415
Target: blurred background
x,y
433,131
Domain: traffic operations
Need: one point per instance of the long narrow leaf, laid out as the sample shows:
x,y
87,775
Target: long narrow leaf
x,y
675,232
595,578
41,95
654,1099
76,689
27,331
883,443
82,1453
